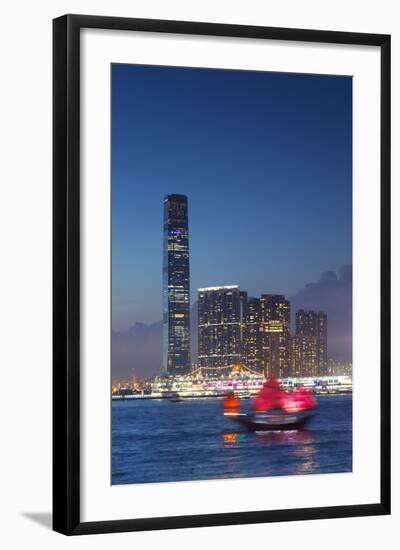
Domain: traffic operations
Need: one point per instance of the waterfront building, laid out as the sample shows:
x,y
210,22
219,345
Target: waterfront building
x,y
243,312
303,356
275,334
252,337
309,345
339,368
220,318
322,343
176,286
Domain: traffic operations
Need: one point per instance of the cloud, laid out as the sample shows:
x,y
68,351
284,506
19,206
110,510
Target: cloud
x,y
333,295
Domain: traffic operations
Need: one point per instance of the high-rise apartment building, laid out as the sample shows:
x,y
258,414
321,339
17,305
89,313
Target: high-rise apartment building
x,y
220,316
322,343
275,334
303,356
266,335
252,337
309,345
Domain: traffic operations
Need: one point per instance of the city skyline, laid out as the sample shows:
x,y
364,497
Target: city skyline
x,y
270,200
229,334
256,334
265,161
142,344
231,274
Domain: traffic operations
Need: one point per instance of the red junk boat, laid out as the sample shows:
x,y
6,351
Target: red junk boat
x,y
274,409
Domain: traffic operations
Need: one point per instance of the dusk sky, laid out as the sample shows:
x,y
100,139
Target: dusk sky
x,y
265,161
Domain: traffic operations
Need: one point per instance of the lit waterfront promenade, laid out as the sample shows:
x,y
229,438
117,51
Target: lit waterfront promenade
x,y
191,387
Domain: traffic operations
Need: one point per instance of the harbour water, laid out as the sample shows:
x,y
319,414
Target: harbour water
x,y
160,441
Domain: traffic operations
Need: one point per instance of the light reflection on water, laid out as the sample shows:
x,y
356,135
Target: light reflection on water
x,y
157,441
232,440
307,453
298,443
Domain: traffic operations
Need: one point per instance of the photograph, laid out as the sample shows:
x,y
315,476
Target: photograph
x,y
231,274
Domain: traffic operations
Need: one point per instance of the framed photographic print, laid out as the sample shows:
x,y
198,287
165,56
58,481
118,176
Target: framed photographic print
x,y
221,274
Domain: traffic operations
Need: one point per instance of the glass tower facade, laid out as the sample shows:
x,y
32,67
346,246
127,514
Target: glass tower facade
x,y
176,286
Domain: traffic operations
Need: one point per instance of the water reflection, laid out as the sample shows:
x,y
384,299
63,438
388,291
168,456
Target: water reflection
x,y
233,440
307,455
207,445
290,437
299,446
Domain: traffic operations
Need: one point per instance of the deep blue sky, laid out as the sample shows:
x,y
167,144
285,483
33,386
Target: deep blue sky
x,y
265,160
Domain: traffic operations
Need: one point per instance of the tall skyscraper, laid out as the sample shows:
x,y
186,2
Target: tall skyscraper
x,y
303,356
176,286
309,346
220,318
275,334
252,337
322,343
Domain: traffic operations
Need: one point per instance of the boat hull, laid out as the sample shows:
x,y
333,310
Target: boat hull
x,y
273,421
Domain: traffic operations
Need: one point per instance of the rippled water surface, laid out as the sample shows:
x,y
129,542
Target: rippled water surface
x,y
157,440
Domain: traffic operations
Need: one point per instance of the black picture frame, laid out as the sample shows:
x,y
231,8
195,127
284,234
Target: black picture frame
x,y
66,273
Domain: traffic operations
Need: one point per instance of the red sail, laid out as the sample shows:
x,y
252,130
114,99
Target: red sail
x,y
271,396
